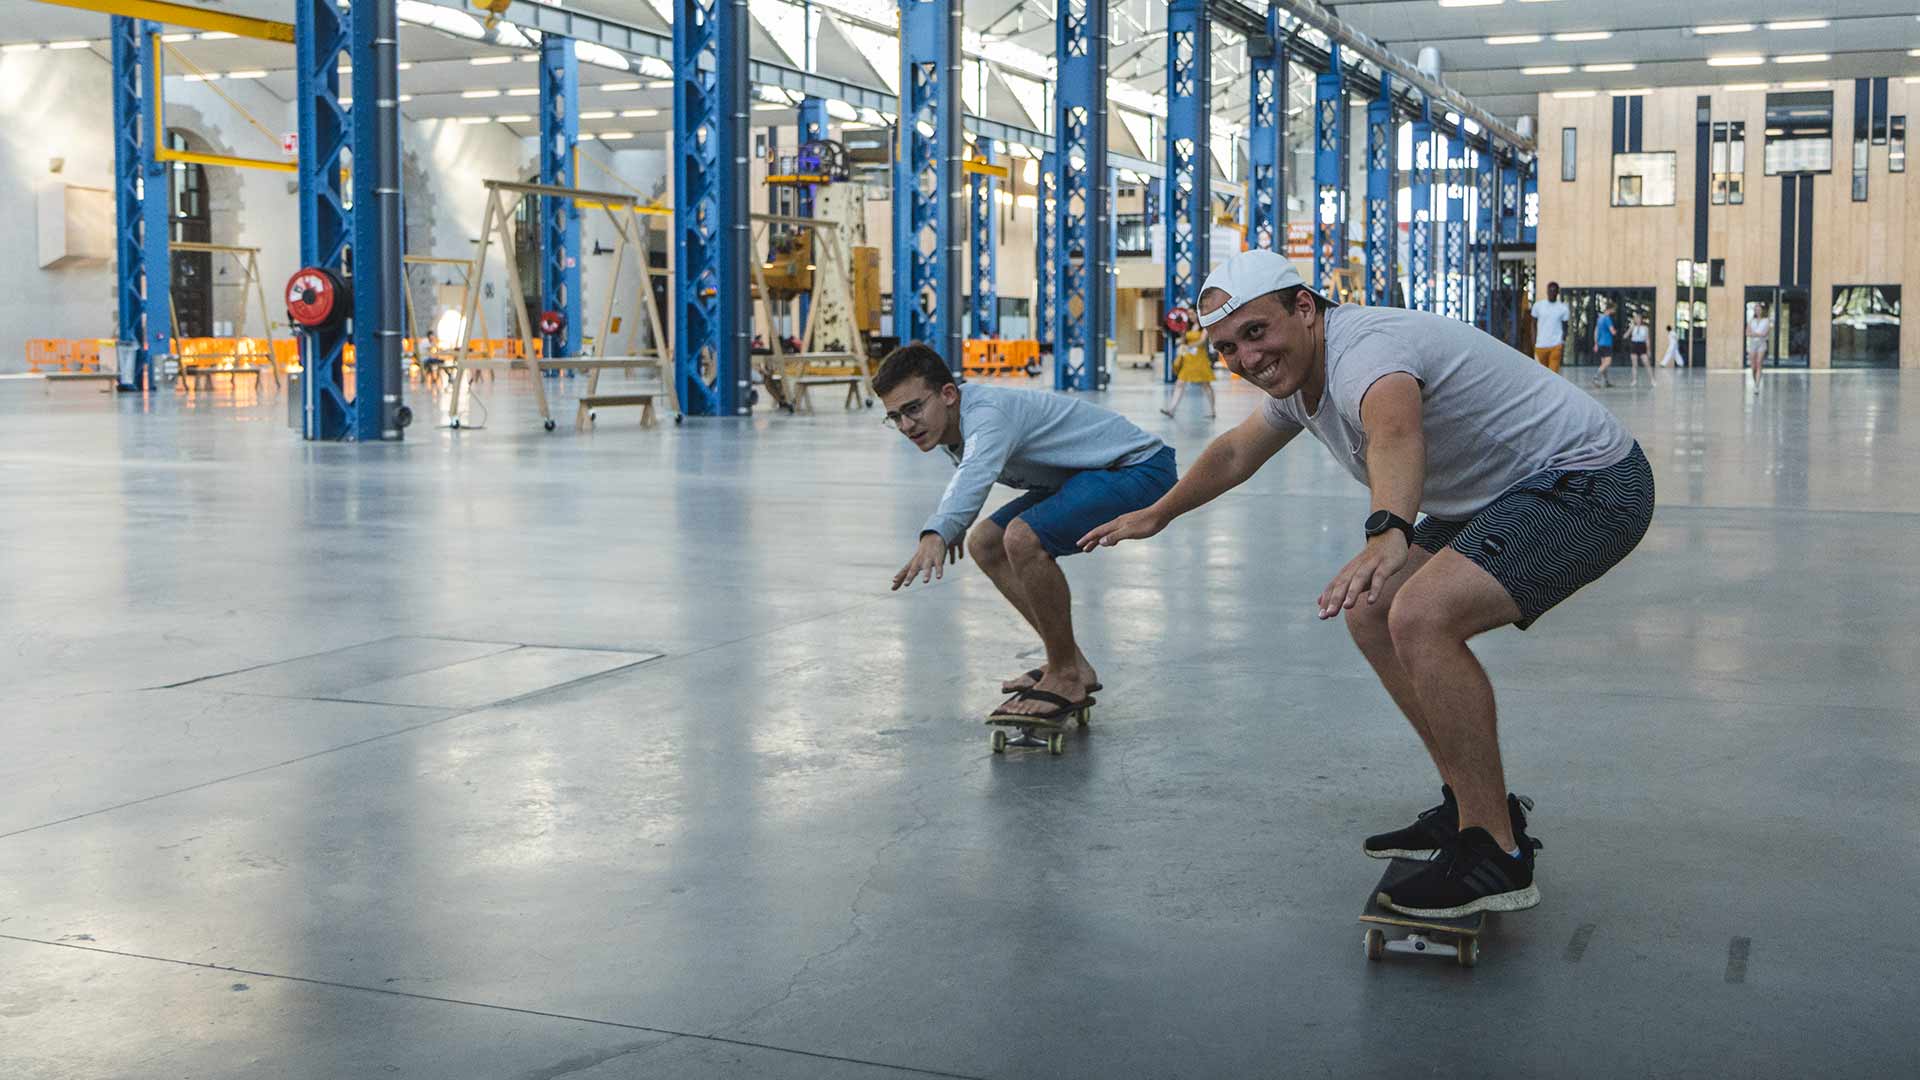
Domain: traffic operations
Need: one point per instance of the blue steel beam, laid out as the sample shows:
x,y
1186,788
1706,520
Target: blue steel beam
x,y
711,223
1083,262
1330,171
378,278
1189,199
1509,199
1383,232
1267,142
320,37
1486,237
1046,249
1530,202
985,232
156,221
927,195
560,218
813,128
1420,291
139,274
1113,256
1453,248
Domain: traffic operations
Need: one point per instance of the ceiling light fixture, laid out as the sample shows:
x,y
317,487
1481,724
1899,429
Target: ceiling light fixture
x,y
1804,58
175,38
211,76
611,136
404,65
1800,24
486,61
1584,35
404,98
523,91
1724,28
21,46
1635,92
476,119
217,35
1602,69
1736,61
62,45
1811,84
660,85
474,95
1745,87
517,119
630,114
597,114
250,73
620,87
1471,3
1550,69
1574,93
1515,39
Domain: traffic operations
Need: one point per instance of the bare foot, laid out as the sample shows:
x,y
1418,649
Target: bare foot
x,y
1026,679
1067,685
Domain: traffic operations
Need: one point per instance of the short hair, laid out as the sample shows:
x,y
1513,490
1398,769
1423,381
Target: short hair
x,y
1553,284
909,362
1286,295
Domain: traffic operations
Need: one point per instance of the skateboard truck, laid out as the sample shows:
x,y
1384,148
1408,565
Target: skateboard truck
x,y
1054,739
1458,938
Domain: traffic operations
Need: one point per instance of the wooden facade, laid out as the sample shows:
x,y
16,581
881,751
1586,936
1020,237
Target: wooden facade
x,y
1585,241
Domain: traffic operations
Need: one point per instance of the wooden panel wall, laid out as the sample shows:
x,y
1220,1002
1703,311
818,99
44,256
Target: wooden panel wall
x,y
1584,241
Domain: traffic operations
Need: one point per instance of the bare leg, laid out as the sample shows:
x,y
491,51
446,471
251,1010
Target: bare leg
x,y
1179,391
1211,411
1443,605
987,545
1049,604
1368,625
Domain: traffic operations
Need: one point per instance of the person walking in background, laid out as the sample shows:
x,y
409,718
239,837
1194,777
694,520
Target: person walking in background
x,y
1759,328
1603,344
1550,328
1638,343
1193,364
1672,357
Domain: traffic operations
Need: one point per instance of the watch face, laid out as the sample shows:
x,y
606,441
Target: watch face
x,y
1377,521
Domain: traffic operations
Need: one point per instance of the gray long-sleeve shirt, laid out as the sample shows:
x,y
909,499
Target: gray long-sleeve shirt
x,y
1029,439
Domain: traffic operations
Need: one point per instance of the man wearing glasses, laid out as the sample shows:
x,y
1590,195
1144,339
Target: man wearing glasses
x,y
1081,465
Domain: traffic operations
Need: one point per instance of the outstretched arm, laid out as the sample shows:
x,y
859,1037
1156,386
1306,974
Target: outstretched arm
x,y
1226,463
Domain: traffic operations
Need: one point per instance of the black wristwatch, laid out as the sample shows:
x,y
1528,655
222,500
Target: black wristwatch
x,y
1381,521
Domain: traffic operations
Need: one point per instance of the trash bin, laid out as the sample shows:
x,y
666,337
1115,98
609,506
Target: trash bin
x,y
126,358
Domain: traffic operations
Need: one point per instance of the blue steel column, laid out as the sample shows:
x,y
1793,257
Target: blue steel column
x,y
560,218
711,226
1189,216
813,128
1080,162
1486,237
1530,202
320,36
985,230
1267,145
1509,200
140,250
927,195
1453,255
378,276
1113,257
1046,252
1330,170
1420,292
1383,233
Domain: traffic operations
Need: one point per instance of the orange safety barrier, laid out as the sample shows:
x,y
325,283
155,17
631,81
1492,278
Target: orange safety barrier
x,y
67,354
994,356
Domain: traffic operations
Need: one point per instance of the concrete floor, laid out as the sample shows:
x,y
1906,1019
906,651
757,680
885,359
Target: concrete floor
x,y
507,754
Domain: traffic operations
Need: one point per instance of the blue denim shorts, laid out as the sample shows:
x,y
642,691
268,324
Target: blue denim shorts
x,y
1061,516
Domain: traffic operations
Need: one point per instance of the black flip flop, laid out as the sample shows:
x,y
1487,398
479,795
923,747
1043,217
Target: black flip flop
x,y
1062,707
1040,673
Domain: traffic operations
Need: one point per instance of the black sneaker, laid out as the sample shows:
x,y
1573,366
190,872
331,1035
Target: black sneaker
x,y
1473,876
1431,833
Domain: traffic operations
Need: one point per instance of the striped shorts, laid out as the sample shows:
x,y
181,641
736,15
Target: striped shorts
x,y
1553,532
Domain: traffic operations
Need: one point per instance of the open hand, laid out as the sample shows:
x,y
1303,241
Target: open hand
x,y
1366,575
1137,525
929,560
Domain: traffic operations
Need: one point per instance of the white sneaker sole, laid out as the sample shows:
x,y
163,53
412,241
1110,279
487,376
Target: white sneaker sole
x,y
1517,900
1400,853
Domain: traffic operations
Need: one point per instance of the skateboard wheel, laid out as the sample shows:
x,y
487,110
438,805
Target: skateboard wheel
x,y
1057,742
548,425
1084,715
1469,953
999,742
1376,943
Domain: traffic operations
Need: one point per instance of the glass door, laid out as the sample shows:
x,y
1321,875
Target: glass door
x,y
1790,342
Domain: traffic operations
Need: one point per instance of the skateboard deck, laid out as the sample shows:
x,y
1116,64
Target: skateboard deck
x,y
1458,938
1052,733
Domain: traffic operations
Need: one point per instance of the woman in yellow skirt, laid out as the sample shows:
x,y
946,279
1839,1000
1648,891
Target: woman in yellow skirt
x,y
1192,365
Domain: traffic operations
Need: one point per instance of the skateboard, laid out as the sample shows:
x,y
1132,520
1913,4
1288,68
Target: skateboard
x,y
1458,938
1054,731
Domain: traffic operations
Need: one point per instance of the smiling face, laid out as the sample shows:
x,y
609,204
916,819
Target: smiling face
x,y
1276,346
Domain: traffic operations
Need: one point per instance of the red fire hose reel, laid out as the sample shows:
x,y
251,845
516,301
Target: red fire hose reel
x,y
317,298
552,323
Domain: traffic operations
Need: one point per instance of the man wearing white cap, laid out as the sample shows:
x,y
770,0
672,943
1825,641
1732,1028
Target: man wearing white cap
x,y
1530,490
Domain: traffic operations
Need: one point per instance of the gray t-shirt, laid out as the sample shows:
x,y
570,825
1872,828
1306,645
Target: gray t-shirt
x,y
1491,416
1029,439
